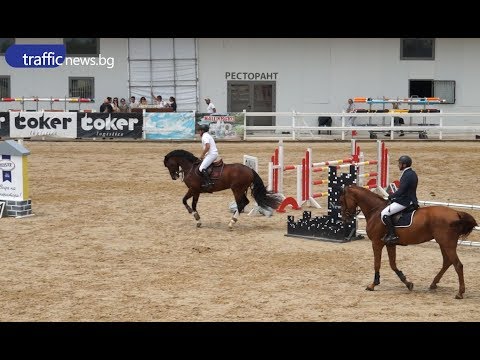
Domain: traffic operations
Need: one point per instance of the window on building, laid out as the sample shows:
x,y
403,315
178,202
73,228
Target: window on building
x,y
82,46
417,49
166,67
5,44
81,87
5,87
443,89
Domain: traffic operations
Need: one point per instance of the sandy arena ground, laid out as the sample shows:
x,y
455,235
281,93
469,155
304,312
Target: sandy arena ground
x,y
112,241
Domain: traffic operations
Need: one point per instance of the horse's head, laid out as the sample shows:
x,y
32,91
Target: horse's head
x,y
348,204
178,161
172,167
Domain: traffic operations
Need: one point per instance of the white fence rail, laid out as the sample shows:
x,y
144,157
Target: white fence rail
x,y
295,125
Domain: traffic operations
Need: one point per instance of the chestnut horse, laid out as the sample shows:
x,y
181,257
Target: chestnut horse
x,y
441,223
237,177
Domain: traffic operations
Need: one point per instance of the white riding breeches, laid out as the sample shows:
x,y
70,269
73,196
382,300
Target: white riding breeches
x,y
391,209
207,160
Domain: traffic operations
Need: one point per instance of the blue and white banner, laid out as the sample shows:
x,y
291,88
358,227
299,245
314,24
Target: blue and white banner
x,y
167,126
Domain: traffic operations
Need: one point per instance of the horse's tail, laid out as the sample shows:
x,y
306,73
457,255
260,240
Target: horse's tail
x,y
464,225
265,199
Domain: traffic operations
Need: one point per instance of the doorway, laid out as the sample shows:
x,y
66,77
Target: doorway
x,y
252,96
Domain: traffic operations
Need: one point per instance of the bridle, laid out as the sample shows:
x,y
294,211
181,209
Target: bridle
x,y
350,215
177,174
346,212
180,174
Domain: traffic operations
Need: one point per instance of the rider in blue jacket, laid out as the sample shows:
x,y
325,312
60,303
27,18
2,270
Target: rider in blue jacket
x,y
405,195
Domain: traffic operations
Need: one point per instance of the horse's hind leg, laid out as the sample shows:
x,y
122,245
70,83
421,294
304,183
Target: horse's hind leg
x,y
242,201
192,209
392,258
445,266
457,264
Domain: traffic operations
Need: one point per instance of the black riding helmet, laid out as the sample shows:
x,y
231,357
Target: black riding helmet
x,y
405,159
204,127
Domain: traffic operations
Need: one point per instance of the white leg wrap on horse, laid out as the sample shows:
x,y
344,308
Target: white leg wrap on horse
x,y
234,219
197,217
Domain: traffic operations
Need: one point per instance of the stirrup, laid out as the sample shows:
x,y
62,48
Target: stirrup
x,y
390,240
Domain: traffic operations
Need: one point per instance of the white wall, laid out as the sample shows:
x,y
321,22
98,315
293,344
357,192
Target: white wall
x,y
303,80
319,75
53,82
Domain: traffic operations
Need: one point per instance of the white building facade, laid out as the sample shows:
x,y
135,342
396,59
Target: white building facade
x,y
275,74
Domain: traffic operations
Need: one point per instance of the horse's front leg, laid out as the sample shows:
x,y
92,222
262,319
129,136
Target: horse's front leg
x,y
392,258
194,206
233,220
187,196
377,246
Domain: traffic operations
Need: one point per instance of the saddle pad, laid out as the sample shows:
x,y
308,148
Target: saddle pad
x,y
405,219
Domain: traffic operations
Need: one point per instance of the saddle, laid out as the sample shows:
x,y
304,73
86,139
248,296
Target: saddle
x,y
214,170
404,218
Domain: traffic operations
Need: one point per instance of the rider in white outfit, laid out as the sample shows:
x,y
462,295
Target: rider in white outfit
x,y
209,154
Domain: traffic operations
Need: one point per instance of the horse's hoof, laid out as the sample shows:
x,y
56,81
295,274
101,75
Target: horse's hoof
x,y
196,216
409,286
369,288
199,224
433,287
459,296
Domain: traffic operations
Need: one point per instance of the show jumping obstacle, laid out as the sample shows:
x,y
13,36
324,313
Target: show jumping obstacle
x,y
328,227
304,182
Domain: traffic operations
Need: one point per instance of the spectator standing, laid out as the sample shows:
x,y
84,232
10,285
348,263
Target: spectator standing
x,y
351,119
106,107
133,103
397,120
115,104
123,107
210,107
158,100
173,103
143,102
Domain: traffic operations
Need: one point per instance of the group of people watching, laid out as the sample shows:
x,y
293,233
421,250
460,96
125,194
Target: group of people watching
x,y
114,105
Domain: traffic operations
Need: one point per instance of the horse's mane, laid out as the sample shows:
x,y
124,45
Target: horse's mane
x,y
369,193
182,154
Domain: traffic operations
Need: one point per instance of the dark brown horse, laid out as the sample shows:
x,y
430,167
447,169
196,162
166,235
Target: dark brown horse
x,y
441,223
237,177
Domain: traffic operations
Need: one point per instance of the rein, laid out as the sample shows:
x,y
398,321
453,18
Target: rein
x,y
349,215
370,211
358,210
189,171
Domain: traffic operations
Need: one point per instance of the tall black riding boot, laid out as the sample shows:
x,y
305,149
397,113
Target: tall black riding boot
x,y
207,182
391,238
